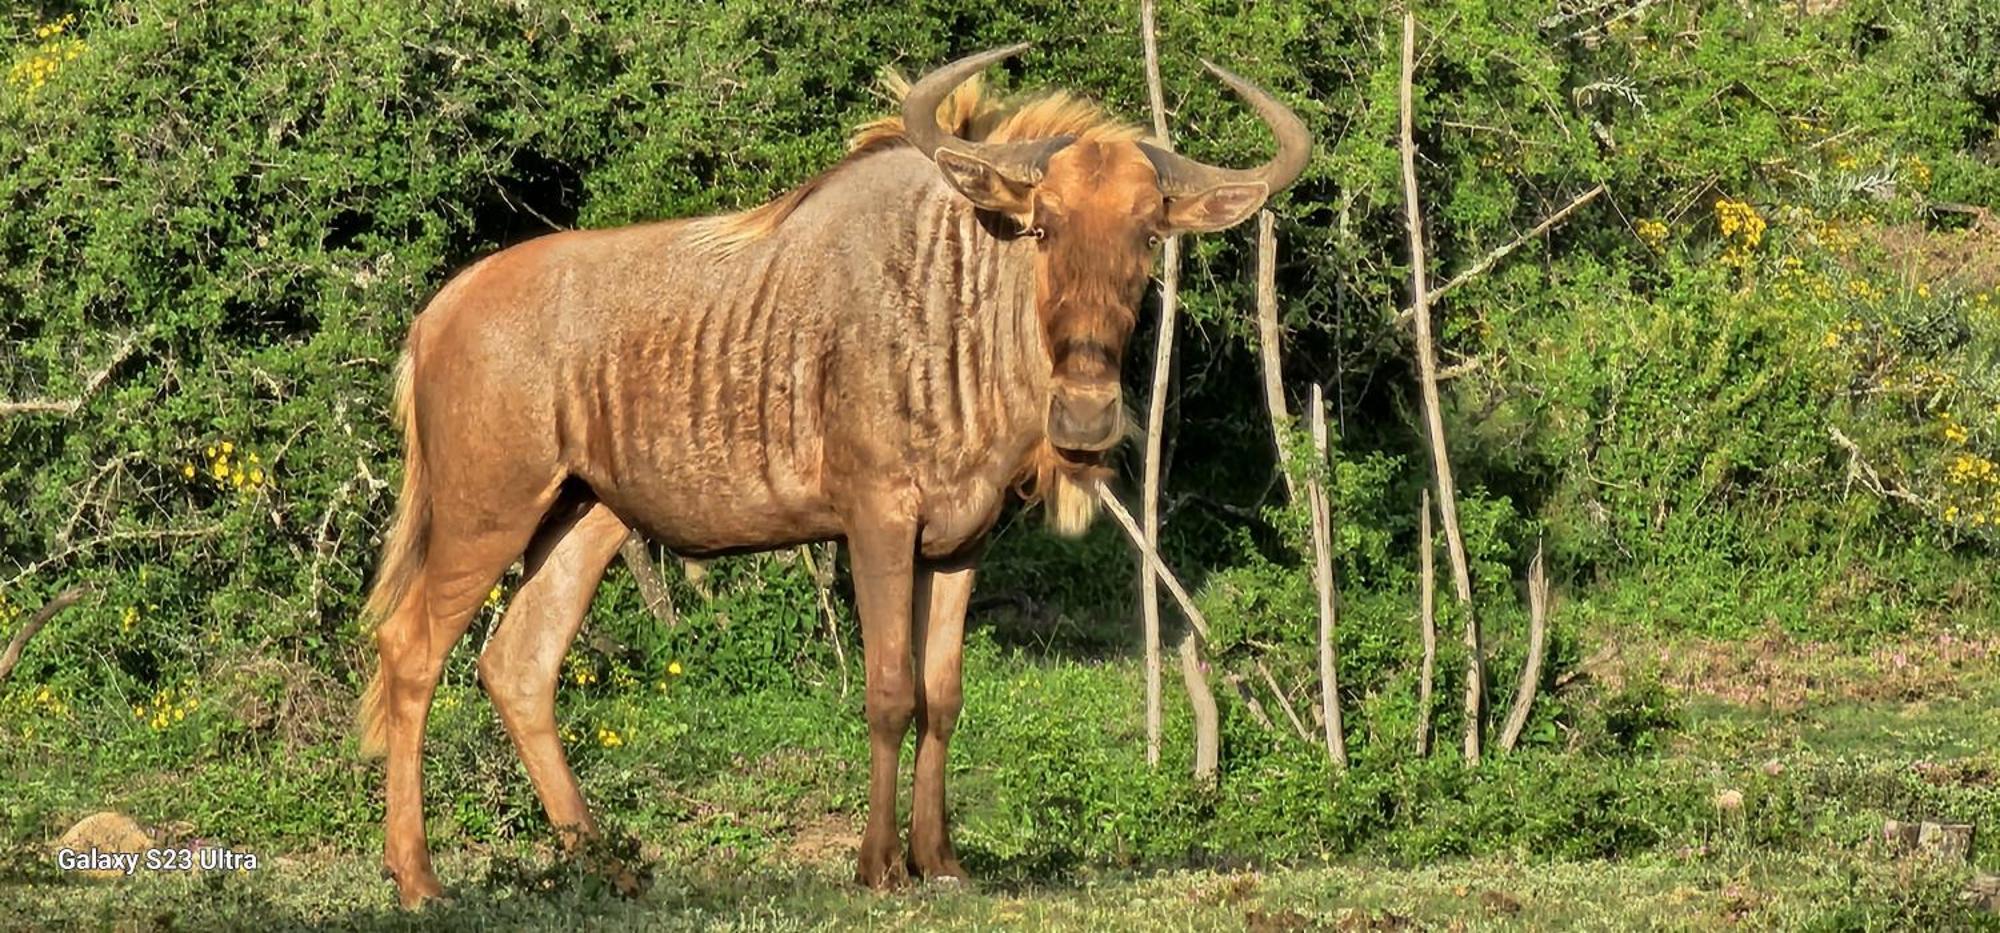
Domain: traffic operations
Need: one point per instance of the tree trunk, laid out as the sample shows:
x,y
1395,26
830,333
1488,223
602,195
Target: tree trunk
x,y
1427,613
1322,524
1201,700
1531,675
1475,668
1156,416
1270,337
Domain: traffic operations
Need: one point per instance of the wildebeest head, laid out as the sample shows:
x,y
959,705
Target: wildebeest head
x,y
1097,210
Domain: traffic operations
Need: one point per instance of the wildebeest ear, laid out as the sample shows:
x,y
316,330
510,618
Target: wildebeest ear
x,y
984,184
1218,208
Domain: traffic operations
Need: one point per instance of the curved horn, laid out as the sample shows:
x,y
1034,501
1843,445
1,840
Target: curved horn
x,y
1019,161
1180,175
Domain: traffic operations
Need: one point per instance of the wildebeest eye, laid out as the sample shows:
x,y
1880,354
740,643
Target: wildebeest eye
x,y
1152,239
1035,233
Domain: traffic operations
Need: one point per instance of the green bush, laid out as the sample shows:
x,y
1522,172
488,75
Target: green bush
x,y
1747,384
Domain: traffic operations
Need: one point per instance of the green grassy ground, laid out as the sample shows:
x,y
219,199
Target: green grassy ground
x,y
1760,892
747,813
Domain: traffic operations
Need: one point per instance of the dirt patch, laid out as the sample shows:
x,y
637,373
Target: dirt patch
x,y
1968,259
826,840
1778,671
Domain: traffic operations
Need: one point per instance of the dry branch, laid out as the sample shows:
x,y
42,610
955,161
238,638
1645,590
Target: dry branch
x,y
1531,675
1250,700
1420,305
156,534
1284,702
1151,556
68,406
19,642
823,586
646,575
1427,615
1322,527
1858,468
1487,262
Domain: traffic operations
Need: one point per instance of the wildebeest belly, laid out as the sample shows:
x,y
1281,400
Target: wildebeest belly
x,y
696,512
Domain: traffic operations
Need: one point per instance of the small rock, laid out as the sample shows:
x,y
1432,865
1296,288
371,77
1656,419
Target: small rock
x,y
1950,842
1499,902
1983,893
108,831
1899,836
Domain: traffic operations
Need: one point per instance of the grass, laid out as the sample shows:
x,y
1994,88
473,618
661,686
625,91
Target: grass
x,y
747,811
1657,892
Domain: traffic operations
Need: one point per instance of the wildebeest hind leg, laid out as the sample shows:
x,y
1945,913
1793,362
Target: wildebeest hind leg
x,y
522,662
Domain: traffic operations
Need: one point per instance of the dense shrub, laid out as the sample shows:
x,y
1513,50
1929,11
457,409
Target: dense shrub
x,y
1755,381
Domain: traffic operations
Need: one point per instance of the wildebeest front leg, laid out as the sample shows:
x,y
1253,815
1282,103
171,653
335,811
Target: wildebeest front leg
x,y
939,630
883,558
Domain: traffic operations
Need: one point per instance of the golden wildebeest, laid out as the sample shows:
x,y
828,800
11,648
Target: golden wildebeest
x,y
878,356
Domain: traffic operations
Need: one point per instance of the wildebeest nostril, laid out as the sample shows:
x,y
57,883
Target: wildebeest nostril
x,y
1088,419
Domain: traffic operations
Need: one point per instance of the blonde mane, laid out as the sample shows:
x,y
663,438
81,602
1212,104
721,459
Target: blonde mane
x,y
969,112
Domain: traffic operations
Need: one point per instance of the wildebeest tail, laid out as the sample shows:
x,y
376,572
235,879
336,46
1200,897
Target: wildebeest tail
x,y
402,561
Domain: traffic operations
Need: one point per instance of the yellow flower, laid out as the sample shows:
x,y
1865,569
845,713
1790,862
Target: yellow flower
x,y
188,471
1653,232
211,451
1955,433
228,448
256,476
221,470
1832,339
1923,290
674,668
237,479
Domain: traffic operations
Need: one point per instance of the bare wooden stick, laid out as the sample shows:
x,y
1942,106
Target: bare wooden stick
x,y
1250,700
19,642
1269,338
1427,614
1322,525
1151,556
1420,304
1531,675
1156,411
1858,468
646,574
1201,703
1201,700
823,586
68,406
1284,702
